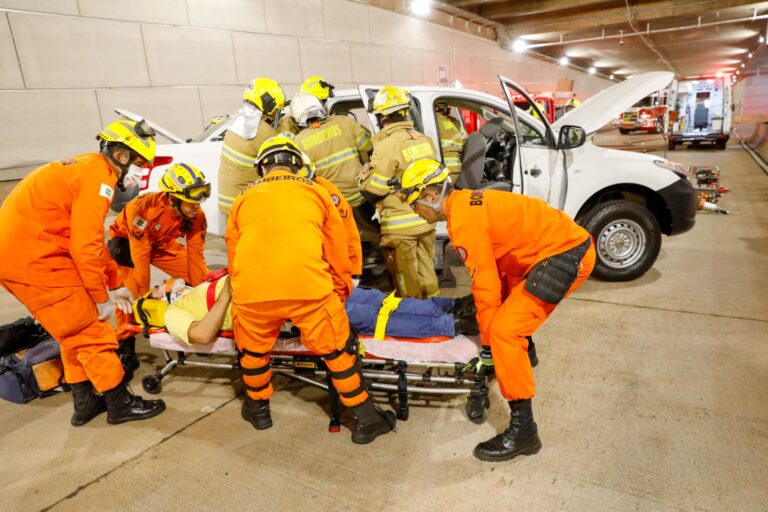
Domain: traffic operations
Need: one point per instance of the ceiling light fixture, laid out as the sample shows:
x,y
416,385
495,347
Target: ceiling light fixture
x,y
742,64
611,77
749,55
592,70
519,45
421,7
761,39
564,61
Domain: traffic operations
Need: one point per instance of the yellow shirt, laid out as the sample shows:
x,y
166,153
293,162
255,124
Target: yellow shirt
x,y
192,307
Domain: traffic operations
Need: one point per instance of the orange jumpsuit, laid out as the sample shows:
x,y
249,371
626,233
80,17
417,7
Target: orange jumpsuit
x,y
501,236
354,247
55,261
285,262
152,228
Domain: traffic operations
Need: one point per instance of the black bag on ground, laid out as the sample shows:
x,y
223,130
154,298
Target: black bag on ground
x,y
550,279
32,373
21,334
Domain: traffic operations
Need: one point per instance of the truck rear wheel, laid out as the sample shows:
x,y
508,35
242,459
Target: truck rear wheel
x,y
623,131
627,239
671,145
721,144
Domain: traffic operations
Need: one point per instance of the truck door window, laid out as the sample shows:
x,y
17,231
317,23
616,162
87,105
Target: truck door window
x,y
353,109
451,133
500,141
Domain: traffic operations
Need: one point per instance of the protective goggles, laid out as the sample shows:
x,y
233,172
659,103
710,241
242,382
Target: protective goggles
x,y
329,86
198,192
143,129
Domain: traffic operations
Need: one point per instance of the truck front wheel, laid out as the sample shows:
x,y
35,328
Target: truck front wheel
x,y
627,239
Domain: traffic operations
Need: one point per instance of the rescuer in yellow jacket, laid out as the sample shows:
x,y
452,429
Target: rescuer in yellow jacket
x,y
452,138
337,146
262,99
411,237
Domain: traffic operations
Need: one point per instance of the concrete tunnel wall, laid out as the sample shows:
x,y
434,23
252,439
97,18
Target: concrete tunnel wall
x,y
65,64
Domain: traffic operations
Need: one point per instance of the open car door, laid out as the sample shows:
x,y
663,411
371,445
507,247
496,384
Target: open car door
x,y
540,166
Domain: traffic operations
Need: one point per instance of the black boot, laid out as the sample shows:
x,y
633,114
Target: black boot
x,y
127,353
466,325
532,357
124,406
88,404
257,412
520,438
371,422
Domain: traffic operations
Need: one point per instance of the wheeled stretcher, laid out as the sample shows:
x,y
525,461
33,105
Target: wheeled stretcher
x,y
400,367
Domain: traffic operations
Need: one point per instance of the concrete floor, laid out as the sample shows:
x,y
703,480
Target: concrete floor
x,y
651,397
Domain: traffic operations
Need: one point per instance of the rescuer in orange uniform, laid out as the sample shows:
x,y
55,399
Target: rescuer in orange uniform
x,y
354,246
55,262
523,257
285,262
146,232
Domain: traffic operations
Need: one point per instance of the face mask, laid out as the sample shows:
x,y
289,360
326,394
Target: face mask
x,y
132,177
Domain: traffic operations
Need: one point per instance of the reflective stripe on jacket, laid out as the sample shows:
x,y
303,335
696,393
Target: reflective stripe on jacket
x,y
452,138
338,147
236,169
395,148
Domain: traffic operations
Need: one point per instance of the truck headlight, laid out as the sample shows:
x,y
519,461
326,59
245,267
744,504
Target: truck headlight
x,y
677,168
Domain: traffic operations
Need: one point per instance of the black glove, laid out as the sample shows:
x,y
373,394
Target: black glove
x,y
465,306
482,365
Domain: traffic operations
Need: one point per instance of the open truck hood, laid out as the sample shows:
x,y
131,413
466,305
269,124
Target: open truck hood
x,y
604,106
159,129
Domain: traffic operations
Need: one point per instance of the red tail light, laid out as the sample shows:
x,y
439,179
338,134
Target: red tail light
x,y
159,162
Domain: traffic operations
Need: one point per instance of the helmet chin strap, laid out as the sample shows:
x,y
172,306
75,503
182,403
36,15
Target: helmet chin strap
x,y
124,172
436,205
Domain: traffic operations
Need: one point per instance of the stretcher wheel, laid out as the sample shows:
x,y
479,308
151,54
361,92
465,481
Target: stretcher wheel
x,y
477,408
152,384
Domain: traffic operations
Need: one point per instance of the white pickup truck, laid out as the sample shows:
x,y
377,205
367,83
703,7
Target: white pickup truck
x,y
625,200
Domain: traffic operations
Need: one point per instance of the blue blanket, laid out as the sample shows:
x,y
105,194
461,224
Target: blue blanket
x,y
413,318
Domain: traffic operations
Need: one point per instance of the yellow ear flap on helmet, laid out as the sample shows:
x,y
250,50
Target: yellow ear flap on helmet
x,y
139,137
265,94
390,99
185,182
318,87
420,174
280,150
308,170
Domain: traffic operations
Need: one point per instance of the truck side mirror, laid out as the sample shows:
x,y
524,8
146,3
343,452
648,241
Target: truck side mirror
x,y
571,137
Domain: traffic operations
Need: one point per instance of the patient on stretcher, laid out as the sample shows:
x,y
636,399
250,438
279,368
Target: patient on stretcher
x,y
196,315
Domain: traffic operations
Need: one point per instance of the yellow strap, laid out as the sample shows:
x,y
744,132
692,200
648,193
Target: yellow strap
x,y
388,306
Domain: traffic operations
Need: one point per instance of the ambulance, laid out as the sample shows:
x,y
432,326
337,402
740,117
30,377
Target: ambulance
x,y
702,111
